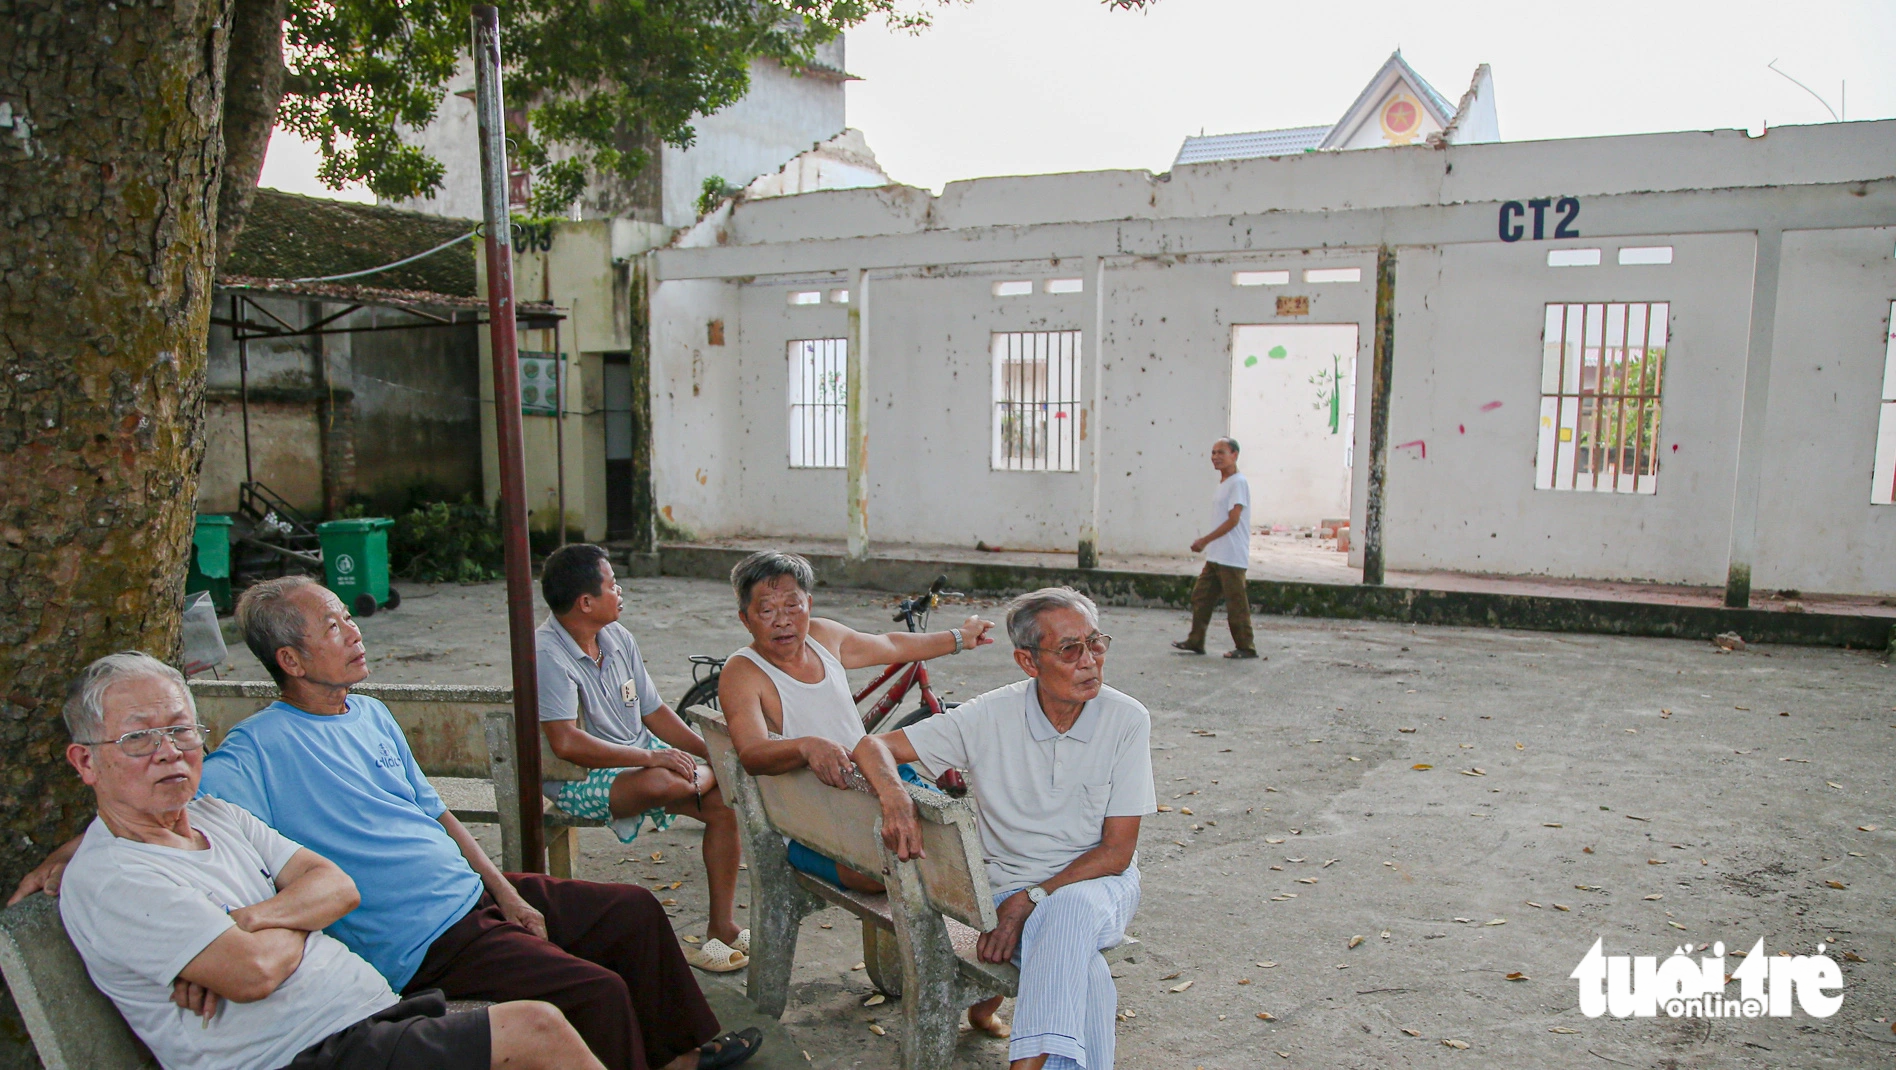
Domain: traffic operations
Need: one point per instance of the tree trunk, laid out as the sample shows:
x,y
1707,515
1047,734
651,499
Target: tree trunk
x,y
110,152
252,93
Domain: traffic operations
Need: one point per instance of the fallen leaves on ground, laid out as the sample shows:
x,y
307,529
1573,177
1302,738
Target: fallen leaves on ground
x,y
1866,828
1835,884
1173,976
1564,1029
1551,825
1413,1032
1267,965
1518,976
1496,921
857,966
878,1030
1421,766
1180,987
1356,941
1328,862
1655,897
1244,980
1851,956
1458,1045
1313,880
1266,1016
1562,906
1165,809
1473,772
875,1000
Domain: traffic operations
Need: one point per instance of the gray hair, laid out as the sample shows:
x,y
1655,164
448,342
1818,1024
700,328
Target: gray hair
x,y
270,621
766,565
1229,443
85,698
1023,613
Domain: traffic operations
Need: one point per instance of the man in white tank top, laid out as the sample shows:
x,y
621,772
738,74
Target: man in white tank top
x,y
788,705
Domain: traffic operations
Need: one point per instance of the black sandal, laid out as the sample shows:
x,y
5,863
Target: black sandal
x,y
730,1049
1188,648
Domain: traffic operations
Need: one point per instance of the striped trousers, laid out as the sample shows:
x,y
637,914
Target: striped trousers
x,y
1067,999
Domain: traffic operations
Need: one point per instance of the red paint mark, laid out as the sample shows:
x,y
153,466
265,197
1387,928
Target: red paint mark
x,y
1675,447
1491,406
1422,445
1461,428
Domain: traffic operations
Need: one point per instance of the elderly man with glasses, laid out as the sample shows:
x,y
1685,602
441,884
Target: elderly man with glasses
x,y
1062,773
205,926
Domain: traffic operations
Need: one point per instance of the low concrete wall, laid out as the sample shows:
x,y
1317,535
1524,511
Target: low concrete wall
x,y
443,724
1406,605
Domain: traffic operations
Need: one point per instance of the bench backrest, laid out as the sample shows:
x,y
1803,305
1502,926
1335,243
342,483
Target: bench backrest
x,y
842,824
73,1025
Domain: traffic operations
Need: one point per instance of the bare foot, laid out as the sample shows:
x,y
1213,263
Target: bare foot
x,y
981,1016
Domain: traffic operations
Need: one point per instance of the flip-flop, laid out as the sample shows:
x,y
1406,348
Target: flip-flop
x,y
1188,648
730,1049
716,956
1240,654
742,945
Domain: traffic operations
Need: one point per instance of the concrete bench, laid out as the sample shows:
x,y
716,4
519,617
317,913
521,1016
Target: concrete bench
x,y
73,1025
454,732
918,939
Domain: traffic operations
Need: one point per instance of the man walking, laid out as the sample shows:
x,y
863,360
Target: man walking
x,y
1227,550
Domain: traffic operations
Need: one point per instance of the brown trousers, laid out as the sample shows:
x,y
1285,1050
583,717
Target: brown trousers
x,y
610,962
1215,583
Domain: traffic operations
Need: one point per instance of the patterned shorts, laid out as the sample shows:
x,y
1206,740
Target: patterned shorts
x,y
591,799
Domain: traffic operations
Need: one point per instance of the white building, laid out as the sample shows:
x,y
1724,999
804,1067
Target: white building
x,y
1397,107
1658,357
785,113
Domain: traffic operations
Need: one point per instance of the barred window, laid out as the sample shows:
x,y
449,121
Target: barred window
x,y
1602,367
1036,401
817,402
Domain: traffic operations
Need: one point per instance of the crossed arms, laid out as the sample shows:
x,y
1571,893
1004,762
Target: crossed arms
x,y
264,945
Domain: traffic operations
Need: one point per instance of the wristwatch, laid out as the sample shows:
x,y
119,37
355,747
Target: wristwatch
x,y
960,644
1036,895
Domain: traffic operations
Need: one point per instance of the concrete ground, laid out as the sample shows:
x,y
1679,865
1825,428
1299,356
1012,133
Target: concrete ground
x,y
1646,792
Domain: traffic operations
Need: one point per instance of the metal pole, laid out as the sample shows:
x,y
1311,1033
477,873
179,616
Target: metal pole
x,y
856,447
513,495
559,425
243,378
1381,368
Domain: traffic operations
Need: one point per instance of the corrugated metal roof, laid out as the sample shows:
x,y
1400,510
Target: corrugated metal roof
x,y
1286,142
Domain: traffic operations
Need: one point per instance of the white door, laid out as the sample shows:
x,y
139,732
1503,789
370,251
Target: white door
x,y
1293,413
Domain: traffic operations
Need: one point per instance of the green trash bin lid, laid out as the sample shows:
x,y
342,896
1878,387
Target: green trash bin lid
x,y
354,524
214,520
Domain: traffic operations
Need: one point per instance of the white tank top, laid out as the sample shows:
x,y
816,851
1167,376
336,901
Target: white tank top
x,y
825,708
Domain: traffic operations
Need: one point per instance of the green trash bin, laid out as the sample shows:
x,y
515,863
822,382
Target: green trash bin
x,y
355,563
210,560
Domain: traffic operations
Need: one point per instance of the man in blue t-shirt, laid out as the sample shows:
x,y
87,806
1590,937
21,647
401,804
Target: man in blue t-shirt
x,y
333,772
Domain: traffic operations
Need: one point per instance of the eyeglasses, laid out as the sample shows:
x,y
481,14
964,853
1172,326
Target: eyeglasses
x,y
1069,651
185,737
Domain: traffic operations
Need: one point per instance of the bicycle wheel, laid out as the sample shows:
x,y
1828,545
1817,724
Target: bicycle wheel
x,y
914,716
702,693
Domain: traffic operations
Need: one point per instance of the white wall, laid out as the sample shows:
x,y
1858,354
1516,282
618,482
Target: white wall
x,y
1469,314
785,113
1817,530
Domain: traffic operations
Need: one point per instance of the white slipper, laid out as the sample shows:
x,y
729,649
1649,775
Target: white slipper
x,y
742,945
716,957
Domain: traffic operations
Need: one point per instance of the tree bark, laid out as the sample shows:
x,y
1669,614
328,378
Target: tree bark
x,y
253,90
110,154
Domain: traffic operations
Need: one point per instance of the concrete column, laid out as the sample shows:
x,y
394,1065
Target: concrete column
x,y
1382,367
1092,422
1751,443
856,419
335,413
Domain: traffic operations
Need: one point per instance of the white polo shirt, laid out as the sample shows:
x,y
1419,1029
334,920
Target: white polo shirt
x,y
1042,794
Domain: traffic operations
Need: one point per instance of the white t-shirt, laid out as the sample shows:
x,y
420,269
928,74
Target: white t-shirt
x,y
139,913
1041,795
1233,547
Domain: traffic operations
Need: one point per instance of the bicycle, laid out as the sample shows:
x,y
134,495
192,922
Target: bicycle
x,y
881,717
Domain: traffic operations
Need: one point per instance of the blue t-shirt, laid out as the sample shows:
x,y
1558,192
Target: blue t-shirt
x,y
346,786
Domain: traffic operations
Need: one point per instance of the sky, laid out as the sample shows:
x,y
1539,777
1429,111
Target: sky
x,y
1000,87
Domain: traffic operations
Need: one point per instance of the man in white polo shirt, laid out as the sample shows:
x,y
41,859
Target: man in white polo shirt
x,y
1227,550
1061,769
